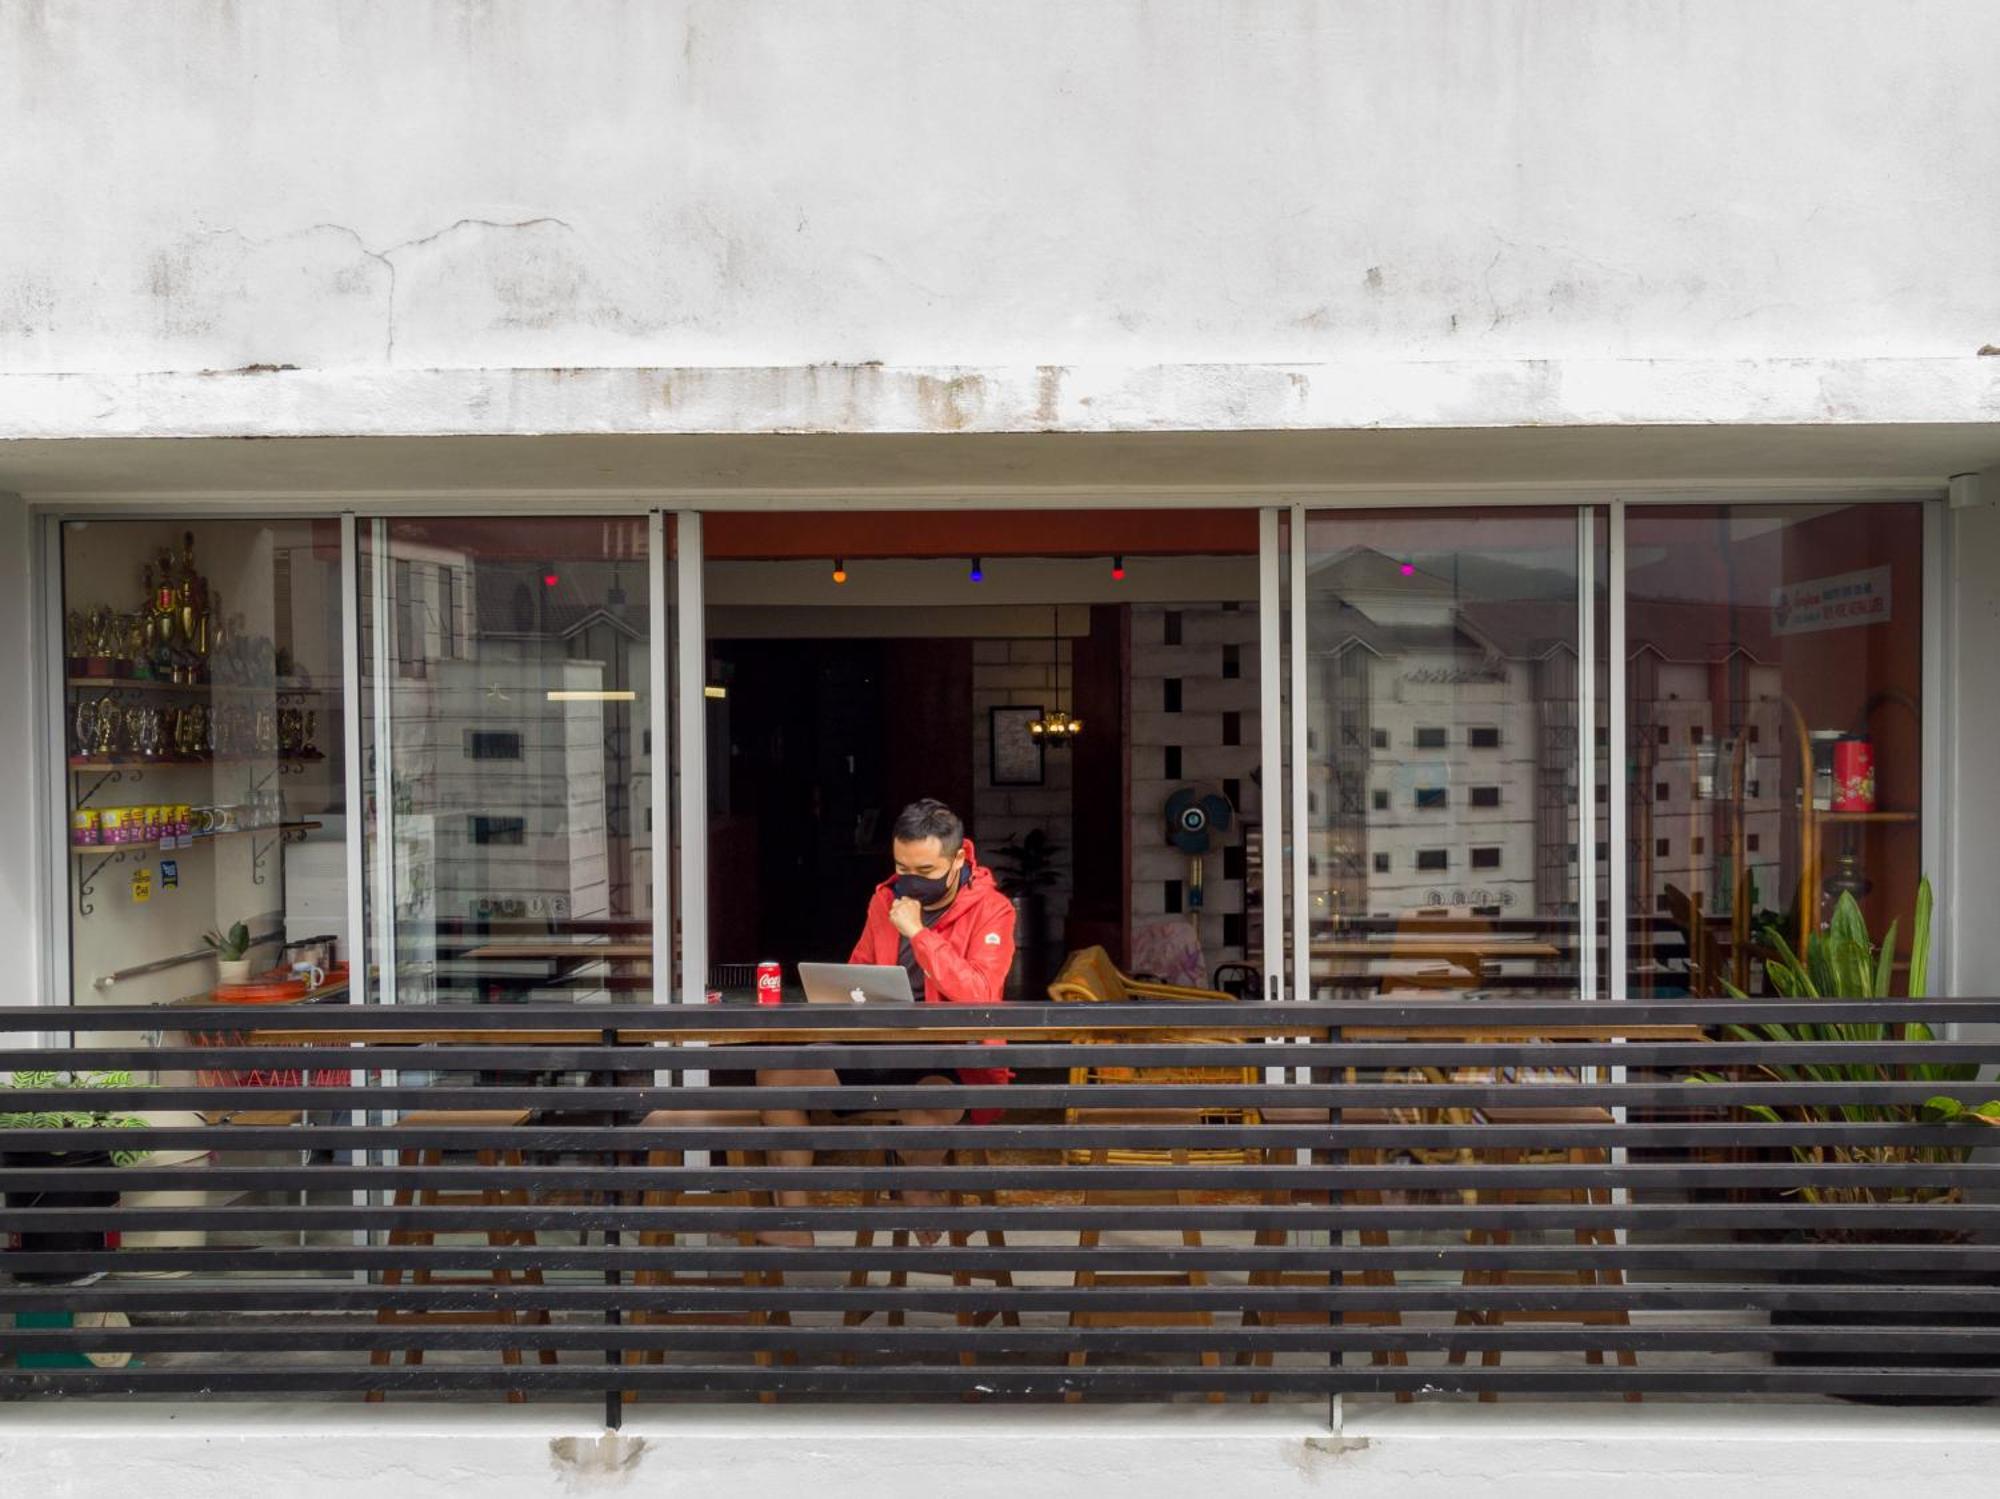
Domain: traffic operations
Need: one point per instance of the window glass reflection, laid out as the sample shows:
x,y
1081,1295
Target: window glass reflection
x,y
1442,752
513,724
1774,730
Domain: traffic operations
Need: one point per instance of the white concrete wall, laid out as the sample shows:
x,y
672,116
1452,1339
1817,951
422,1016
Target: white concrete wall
x,y
1179,1452
948,215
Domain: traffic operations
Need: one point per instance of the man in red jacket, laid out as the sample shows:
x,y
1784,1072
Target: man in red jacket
x,y
943,919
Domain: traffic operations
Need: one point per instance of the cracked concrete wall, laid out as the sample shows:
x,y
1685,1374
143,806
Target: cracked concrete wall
x,y
529,184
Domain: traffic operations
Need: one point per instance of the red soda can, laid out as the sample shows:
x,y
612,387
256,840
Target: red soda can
x,y
770,984
1853,775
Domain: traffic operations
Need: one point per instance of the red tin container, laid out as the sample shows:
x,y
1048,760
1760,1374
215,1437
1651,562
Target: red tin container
x,y
1853,776
770,984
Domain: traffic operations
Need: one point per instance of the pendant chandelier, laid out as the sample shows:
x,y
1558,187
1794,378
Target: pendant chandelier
x,y
1056,728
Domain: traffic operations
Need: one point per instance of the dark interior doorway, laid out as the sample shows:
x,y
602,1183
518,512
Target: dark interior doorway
x,y
819,744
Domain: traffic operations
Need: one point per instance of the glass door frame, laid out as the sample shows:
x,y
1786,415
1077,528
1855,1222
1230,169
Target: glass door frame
x,y
1284,572
680,883
666,723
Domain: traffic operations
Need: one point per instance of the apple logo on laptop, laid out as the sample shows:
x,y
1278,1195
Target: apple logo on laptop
x,y
857,995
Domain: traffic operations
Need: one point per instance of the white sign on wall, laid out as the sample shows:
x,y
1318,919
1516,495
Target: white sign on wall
x,y
1835,603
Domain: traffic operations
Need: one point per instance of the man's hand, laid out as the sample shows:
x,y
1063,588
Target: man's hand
x,y
906,916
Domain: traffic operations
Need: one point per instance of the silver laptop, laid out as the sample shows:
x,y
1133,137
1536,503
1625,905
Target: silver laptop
x,y
855,984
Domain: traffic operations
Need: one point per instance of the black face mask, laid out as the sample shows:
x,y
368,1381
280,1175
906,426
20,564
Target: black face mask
x,y
925,892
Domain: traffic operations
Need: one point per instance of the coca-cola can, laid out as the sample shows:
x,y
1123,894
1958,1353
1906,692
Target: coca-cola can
x,y
1853,775
770,984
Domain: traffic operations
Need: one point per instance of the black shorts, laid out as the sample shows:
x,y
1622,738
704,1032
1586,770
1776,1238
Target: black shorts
x,y
884,1077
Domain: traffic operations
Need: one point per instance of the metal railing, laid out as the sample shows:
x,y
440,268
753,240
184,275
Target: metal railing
x,y
1376,1203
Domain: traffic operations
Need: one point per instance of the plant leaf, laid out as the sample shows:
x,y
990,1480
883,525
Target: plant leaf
x,y
1920,941
1885,962
1848,923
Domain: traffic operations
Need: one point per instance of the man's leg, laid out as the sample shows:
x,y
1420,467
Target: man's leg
x,y
825,1077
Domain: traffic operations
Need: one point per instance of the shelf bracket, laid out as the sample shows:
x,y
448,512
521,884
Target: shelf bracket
x,y
88,882
109,778
260,852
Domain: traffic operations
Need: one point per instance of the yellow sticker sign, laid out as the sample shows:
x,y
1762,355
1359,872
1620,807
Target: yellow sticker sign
x,y
142,886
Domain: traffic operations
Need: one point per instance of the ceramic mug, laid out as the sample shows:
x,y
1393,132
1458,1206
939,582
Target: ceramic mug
x,y
312,973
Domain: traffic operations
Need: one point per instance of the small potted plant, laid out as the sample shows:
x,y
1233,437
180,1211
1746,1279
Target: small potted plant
x,y
64,1241
232,953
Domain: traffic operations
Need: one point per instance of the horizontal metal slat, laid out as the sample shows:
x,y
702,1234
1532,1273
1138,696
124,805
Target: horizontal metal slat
x,y
1333,1135
1898,1259
1239,1015
1227,1177
1155,1218
994,1341
1381,1095
947,1380
1925,1301
1248,1053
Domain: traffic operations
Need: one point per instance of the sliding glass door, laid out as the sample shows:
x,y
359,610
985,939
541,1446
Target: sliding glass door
x,y
1774,700
508,762
1443,683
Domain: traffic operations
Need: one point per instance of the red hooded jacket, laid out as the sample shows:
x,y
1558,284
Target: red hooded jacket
x,y
965,955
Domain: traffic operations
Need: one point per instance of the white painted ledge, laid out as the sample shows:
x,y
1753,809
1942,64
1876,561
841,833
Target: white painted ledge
x,y
869,398
208,1451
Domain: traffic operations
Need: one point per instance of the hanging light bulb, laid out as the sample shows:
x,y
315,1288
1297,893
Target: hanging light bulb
x,y
840,569
977,574
1118,569
1055,729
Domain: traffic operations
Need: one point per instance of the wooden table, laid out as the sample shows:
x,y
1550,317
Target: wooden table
x,y
723,1034
1470,955
559,951
1437,947
1471,1033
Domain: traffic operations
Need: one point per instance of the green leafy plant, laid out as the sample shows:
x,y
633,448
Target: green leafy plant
x,y
1844,963
74,1118
1026,864
231,945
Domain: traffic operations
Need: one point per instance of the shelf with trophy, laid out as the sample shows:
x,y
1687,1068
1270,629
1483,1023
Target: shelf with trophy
x,y
169,687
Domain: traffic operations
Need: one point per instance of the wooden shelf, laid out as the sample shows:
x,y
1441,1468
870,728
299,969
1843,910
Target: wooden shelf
x,y
1857,817
167,762
84,850
289,688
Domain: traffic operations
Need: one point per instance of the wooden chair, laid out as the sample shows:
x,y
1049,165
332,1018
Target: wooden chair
x,y
748,1121
958,1238
1085,1278
495,1237
1088,976
1706,974
1377,1238
1554,1115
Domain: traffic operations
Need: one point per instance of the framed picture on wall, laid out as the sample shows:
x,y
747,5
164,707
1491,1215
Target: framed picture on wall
x,y
1017,757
